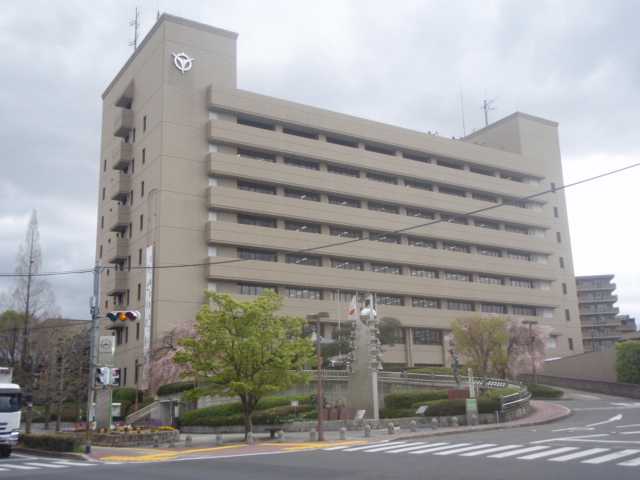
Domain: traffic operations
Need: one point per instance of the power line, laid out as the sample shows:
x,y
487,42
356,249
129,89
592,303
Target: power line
x,y
346,242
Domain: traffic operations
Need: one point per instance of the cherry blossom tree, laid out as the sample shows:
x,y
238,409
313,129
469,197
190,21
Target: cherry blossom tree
x,y
527,346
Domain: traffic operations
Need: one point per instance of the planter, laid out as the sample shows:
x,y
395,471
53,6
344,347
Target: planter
x,y
132,439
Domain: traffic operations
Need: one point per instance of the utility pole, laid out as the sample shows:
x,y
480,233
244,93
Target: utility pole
x,y
95,315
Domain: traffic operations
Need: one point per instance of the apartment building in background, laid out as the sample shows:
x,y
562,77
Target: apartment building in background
x,y
602,326
213,187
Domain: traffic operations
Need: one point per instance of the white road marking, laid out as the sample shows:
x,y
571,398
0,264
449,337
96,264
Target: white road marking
x,y
612,419
466,449
631,463
490,450
389,446
586,396
436,449
20,467
415,446
573,429
547,453
513,453
629,433
47,465
611,456
629,426
75,464
572,438
627,404
584,453
363,447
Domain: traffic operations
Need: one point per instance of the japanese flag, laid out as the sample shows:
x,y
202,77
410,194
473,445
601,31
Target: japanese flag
x,y
353,308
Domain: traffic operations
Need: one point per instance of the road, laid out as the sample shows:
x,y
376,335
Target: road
x,y
601,439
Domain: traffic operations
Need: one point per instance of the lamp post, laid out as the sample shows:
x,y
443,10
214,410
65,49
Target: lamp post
x,y
533,360
317,318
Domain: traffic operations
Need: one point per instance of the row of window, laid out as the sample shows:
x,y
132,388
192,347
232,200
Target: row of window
x,y
422,157
308,227
393,300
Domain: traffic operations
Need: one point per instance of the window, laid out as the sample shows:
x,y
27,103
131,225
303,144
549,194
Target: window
x,y
343,296
458,277
486,224
346,265
515,282
558,237
345,202
144,123
102,222
383,151
144,155
141,222
425,303
570,343
493,308
133,135
516,229
489,252
555,212
139,291
455,247
393,300
141,189
104,193
455,166
427,336
249,289
347,172
422,272
459,219
304,260
490,280
528,311
263,157
344,232
140,257
100,251
519,256
256,187
484,198
105,165
385,268
382,178
261,255
452,191
481,171
305,293
302,227
299,133
310,196
412,212
253,123
131,230
513,178
379,207
464,306
137,337
561,262
421,242
417,158
418,185
385,238
564,288
133,165
257,221
340,141
553,189
131,196
294,162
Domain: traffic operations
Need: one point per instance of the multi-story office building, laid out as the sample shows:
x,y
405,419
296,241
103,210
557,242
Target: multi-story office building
x,y
602,327
220,188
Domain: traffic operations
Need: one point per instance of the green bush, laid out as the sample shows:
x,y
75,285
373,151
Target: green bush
x,y
396,412
283,414
433,370
177,387
127,394
543,392
401,400
447,408
628,362
498,392
52,442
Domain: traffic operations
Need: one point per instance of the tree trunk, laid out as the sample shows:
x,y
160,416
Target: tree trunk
x,y
47,414
248,426
59,415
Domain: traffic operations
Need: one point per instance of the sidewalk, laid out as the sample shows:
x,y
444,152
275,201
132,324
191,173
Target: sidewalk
x,y
204,445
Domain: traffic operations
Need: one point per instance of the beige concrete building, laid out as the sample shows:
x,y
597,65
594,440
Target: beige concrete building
x,y
220,188
602,327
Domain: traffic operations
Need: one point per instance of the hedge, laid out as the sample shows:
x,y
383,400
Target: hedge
x,y
126,394
433,370
543,392
52,442
401,400
177,387
396,412
498,392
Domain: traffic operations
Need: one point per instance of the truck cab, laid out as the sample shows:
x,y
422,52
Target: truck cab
x,y
10,399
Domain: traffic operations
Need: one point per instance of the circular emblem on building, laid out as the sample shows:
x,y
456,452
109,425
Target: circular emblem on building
x,y
182,62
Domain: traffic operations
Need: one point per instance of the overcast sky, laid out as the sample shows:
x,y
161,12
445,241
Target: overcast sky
x,y
403,62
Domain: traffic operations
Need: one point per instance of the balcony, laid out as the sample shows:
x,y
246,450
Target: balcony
x,y
609,310
122,155
120,187
118,250
116,283
123,123
119,221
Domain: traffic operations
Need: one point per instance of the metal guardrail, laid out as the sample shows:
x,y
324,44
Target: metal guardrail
x,y
143,412
507,402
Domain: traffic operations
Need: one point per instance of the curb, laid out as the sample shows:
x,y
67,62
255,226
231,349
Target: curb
x,y
82,457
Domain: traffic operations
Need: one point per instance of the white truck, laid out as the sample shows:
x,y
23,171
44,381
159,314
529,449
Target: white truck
x,y
10,397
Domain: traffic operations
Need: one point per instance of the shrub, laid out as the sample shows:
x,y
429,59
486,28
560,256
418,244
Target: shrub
x,y
400,400
433,370
396,412
283,414
447,408
544,392
52,442
127,394
498,392
177,387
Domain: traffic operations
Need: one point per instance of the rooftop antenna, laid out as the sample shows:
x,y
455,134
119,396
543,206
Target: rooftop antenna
x,y
486,107
136,29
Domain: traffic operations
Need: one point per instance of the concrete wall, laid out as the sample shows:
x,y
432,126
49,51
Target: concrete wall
x,y
608,388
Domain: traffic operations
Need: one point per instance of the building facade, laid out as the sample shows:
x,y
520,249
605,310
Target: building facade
x,y
602,326
217,188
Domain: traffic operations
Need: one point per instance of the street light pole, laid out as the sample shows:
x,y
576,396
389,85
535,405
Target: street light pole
x,y
532,339
317,318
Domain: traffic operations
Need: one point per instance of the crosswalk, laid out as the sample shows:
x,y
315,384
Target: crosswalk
x,y
593,456
40,464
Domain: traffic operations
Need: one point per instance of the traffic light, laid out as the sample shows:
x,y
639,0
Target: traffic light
x,y
114,373
132,315
102,375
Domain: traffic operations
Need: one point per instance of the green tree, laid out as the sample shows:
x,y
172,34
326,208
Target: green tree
x,y
628,362
245,349
483,341
390,331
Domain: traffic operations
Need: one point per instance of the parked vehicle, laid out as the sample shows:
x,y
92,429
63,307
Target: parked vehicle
x,y
10,397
